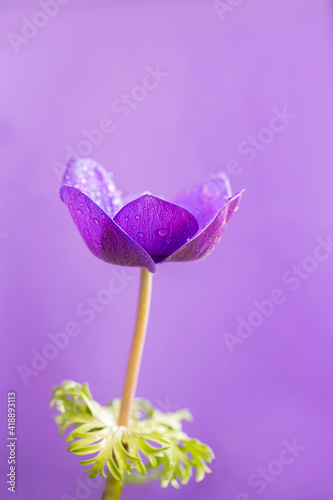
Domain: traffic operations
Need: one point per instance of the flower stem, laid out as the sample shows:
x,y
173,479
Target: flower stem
x,y
134,361
113,487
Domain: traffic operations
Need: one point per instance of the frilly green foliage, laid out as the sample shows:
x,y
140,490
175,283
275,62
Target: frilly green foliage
x,y
155,446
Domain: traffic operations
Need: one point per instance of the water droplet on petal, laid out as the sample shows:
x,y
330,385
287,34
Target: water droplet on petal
x,y
168,241
163,232
79,212
137,217
96,221
127,219
140,235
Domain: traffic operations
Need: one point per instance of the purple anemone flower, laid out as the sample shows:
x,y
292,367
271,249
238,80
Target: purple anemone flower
x,y
145,230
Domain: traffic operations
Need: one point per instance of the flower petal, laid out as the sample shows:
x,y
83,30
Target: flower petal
x,y
205,199
92,179
103,236
158,226
205,241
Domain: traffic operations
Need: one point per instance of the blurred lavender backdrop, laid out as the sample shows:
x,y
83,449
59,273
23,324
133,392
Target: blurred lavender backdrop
x,y
228,69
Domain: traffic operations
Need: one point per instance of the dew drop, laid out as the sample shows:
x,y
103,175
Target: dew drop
x,y
140,235
127,219
79,212
137,217
168,241
96,221
163,232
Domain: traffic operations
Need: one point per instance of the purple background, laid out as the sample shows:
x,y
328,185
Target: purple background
x,y
225,78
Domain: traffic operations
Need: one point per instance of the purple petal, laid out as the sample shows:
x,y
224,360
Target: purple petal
x,y
205,241
93,180
103,236
205,199
158,226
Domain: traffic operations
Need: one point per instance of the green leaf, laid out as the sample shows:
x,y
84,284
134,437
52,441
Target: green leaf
x,y
154,447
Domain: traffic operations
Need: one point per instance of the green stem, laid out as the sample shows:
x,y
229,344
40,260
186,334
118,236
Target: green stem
x,y
113,487
134,362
